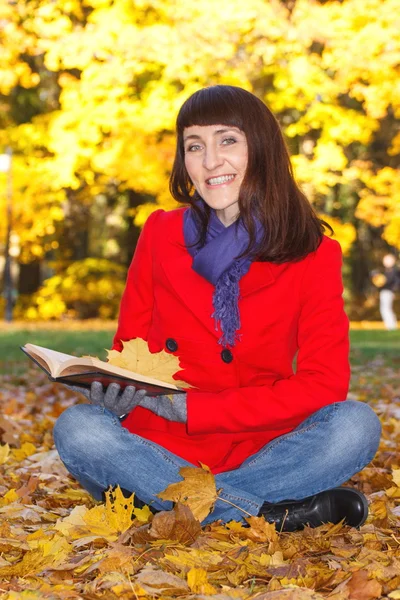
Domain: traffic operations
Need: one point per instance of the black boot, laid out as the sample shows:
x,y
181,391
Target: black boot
x,y
331,506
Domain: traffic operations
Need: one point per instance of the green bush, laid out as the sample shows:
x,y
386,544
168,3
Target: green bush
x,y
88,288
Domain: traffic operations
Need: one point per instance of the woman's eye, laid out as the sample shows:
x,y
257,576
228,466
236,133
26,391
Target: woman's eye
x,y
192,148
229,141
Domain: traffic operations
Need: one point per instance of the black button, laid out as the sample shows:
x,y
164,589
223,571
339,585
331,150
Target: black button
x,y
226,355
171,345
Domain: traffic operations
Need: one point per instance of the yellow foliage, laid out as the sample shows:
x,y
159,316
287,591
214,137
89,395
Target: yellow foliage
x,y
392,232
345,233
124,68
380,202
88,288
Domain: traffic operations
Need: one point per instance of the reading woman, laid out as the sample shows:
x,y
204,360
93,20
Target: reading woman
x,y
235,283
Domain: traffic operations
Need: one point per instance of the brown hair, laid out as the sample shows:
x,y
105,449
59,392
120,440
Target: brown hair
x,y
268,191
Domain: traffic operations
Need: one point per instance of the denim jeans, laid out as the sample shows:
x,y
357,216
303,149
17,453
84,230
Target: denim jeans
x,y
323,452
386,299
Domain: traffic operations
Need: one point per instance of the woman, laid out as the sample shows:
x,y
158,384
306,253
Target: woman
x,y
388,283
234,284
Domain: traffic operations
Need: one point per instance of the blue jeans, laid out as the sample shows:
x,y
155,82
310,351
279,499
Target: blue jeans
x,y
321,453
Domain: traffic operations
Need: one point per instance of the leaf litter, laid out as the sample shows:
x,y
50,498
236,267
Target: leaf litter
x,y
57,542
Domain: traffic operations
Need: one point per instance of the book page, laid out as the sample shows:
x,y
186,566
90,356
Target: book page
x,y
66,365
53,358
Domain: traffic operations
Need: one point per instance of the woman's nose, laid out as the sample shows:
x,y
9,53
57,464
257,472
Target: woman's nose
x,y
212,158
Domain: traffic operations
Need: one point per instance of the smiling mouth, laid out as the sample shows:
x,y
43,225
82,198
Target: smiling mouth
x,y
219,180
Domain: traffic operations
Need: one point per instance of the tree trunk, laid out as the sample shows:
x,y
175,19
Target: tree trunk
x,y
29,279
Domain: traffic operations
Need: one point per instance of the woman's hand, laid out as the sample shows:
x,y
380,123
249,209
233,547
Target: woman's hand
x,y
172,408
117,402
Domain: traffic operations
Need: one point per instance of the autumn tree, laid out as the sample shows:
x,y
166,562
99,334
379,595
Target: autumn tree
x,y
101,81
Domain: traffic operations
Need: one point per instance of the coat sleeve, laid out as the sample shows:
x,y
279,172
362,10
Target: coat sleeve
x,y
323,371
137,300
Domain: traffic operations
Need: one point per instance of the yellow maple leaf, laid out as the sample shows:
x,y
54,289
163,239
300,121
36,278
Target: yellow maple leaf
x,y
396,477
9,497
198,583
4,453
73,525
27,449
142,514
111,519
197,491
136,356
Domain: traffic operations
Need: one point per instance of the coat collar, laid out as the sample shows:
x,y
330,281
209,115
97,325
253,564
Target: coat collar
x,y
195,291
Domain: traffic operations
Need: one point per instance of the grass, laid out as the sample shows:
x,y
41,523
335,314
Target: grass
x,y
71,342
368,345
93,338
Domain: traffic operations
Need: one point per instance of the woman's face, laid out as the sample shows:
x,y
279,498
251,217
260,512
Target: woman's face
x,y
389,260
216,161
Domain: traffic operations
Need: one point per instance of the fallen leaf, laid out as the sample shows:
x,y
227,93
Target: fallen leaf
x,y
396,477
178,524
142,514
74,523
136,356
198,582
49,552
362,588
112,518
197,490
25,491
260,530
119,558
27,449
11,429
294,593
180,558
4,454
157,582
9,497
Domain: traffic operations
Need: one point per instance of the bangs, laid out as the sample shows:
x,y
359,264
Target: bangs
x,y
216,105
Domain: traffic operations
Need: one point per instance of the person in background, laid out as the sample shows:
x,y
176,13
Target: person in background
x,y
235,283
388,284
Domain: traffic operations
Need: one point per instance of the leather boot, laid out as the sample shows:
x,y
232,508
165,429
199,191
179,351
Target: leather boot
x,y
330,506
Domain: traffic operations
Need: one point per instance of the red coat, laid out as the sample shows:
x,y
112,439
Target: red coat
x,y
242,405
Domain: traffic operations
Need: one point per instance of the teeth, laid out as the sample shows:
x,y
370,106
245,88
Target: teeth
x,y
219,180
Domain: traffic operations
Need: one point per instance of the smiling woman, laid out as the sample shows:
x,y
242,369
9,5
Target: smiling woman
x,y
250,136
234,283
216,161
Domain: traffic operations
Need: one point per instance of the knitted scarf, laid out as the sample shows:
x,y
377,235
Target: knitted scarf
x,y
216,261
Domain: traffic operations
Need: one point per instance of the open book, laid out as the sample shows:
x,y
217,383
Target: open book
x,y
74,370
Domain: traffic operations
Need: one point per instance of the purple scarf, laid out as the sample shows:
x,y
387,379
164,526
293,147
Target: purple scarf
x,y
216,262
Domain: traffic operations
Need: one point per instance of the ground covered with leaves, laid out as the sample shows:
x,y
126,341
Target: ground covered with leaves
x,y
56,542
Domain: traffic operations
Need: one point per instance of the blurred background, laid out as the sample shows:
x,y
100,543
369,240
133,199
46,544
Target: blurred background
x,y
89,92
